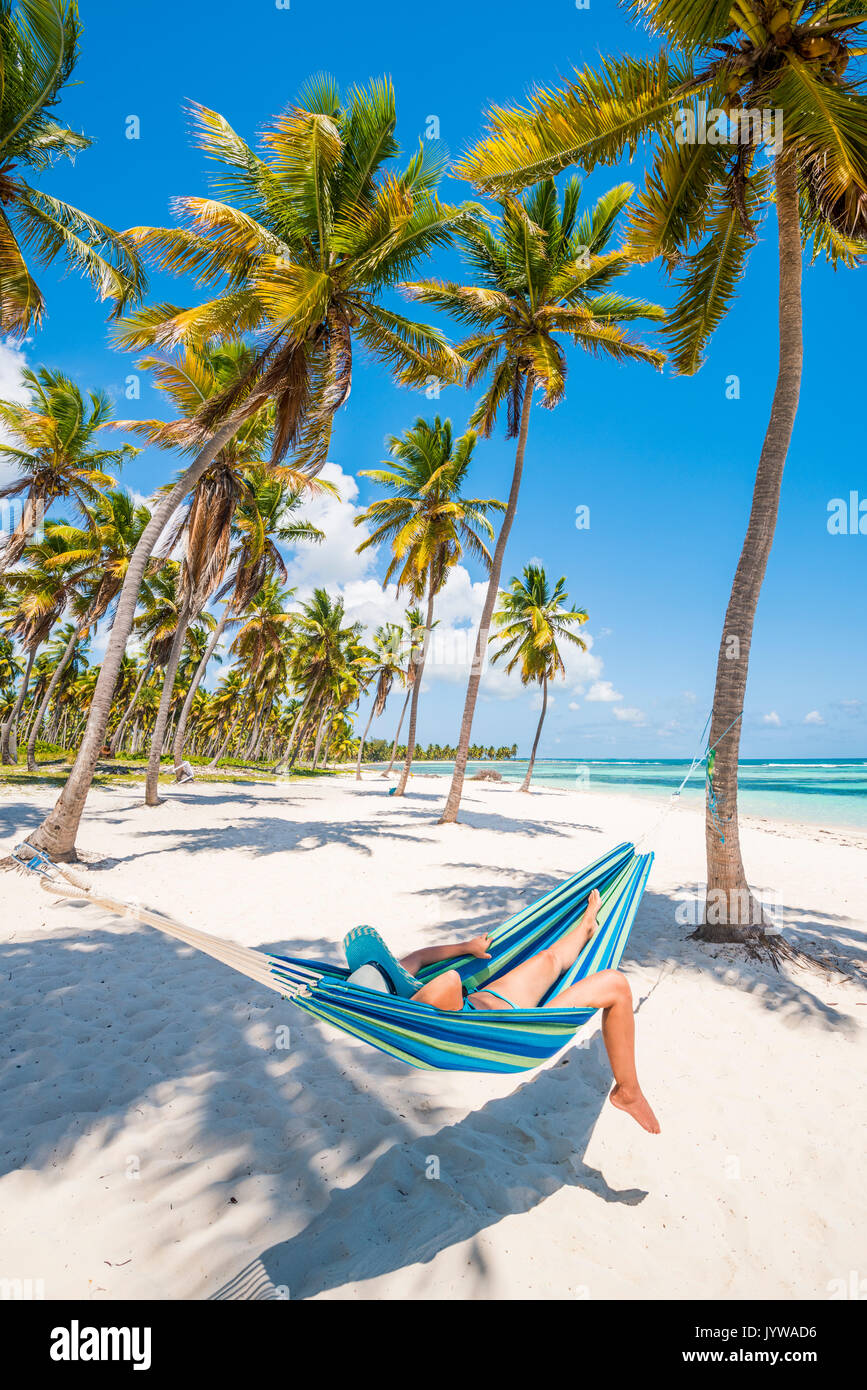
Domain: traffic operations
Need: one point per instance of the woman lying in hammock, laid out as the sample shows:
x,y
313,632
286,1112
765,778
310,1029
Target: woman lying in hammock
x,y
526,986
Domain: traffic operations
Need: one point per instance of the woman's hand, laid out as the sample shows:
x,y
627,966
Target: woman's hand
x,y
479,946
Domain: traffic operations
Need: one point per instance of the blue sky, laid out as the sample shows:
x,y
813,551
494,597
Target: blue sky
x,y
665,464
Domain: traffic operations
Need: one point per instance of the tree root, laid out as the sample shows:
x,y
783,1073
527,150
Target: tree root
x,y
769,948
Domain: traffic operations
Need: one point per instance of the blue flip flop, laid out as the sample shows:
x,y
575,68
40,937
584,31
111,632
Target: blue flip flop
x,y
364,946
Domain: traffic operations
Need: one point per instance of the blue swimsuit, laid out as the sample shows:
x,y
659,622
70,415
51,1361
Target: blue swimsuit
x,y
468,1004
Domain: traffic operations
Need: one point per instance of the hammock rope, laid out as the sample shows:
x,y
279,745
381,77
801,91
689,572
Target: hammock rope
x,y
492,1040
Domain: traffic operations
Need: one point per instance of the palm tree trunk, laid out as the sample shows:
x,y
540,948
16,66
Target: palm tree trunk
x,y
56,835
319,729
159,730
181,731
326,742
117,736
229,732
731,913
284,761
525,785
9,741
453,800
363,741
416,689
397,735
52,686
300,742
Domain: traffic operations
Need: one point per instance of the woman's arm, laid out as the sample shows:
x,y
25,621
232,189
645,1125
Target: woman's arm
x,y
429,955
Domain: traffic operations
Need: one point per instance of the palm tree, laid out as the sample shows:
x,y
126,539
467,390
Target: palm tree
x,y
387,642
321,641
191,378
99,554
263,520
412,639
156,625
38,53
700,210
46,665
40,591
543,276
53,450
322,228
314,230
428,523
532,619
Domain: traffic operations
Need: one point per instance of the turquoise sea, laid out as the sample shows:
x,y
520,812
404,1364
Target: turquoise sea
x,y
830,791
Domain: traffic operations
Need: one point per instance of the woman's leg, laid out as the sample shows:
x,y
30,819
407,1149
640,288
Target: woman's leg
x,y
529,982
609,991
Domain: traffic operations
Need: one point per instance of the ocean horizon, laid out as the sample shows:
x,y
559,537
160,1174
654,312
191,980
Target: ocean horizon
x,y
815,791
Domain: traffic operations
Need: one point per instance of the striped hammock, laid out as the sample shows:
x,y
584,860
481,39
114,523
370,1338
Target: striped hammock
x,y
492,1040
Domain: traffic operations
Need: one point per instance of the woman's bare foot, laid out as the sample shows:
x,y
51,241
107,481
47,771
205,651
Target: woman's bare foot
x,y
634,1103
588,921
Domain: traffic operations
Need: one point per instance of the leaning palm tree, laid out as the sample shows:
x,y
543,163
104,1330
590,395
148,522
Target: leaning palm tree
x,y
543,277
412,639
39,48
99,555
429,524
38,592
777,74
313,233
154,625
263,521
387,642
190,378
51,444
532,620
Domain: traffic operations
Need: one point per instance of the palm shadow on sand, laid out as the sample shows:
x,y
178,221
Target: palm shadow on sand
x,y
499,1161
503,1159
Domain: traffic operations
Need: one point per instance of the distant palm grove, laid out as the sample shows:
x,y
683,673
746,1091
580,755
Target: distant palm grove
x,y
288,270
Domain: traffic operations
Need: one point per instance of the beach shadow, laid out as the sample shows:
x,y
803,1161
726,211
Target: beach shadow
x,y
265,835
660,941
17,817
438,1190
109,1034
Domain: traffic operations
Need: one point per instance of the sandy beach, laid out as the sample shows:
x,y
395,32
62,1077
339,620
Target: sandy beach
x,y
163,1137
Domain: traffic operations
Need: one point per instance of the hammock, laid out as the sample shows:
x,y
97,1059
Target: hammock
x,y
488,1040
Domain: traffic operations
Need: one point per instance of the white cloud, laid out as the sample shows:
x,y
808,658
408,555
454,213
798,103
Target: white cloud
x,y
12,388
628,714
573,704
334,562
536,702
814,717
336,566
603,691
772,718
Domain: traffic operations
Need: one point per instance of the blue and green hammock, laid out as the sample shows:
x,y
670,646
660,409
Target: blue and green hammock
x,y
492,1040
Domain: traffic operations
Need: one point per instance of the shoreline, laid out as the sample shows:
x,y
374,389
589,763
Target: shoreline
x,y
850,835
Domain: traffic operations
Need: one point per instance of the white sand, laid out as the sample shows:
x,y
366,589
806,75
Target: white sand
x,y
157,1142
